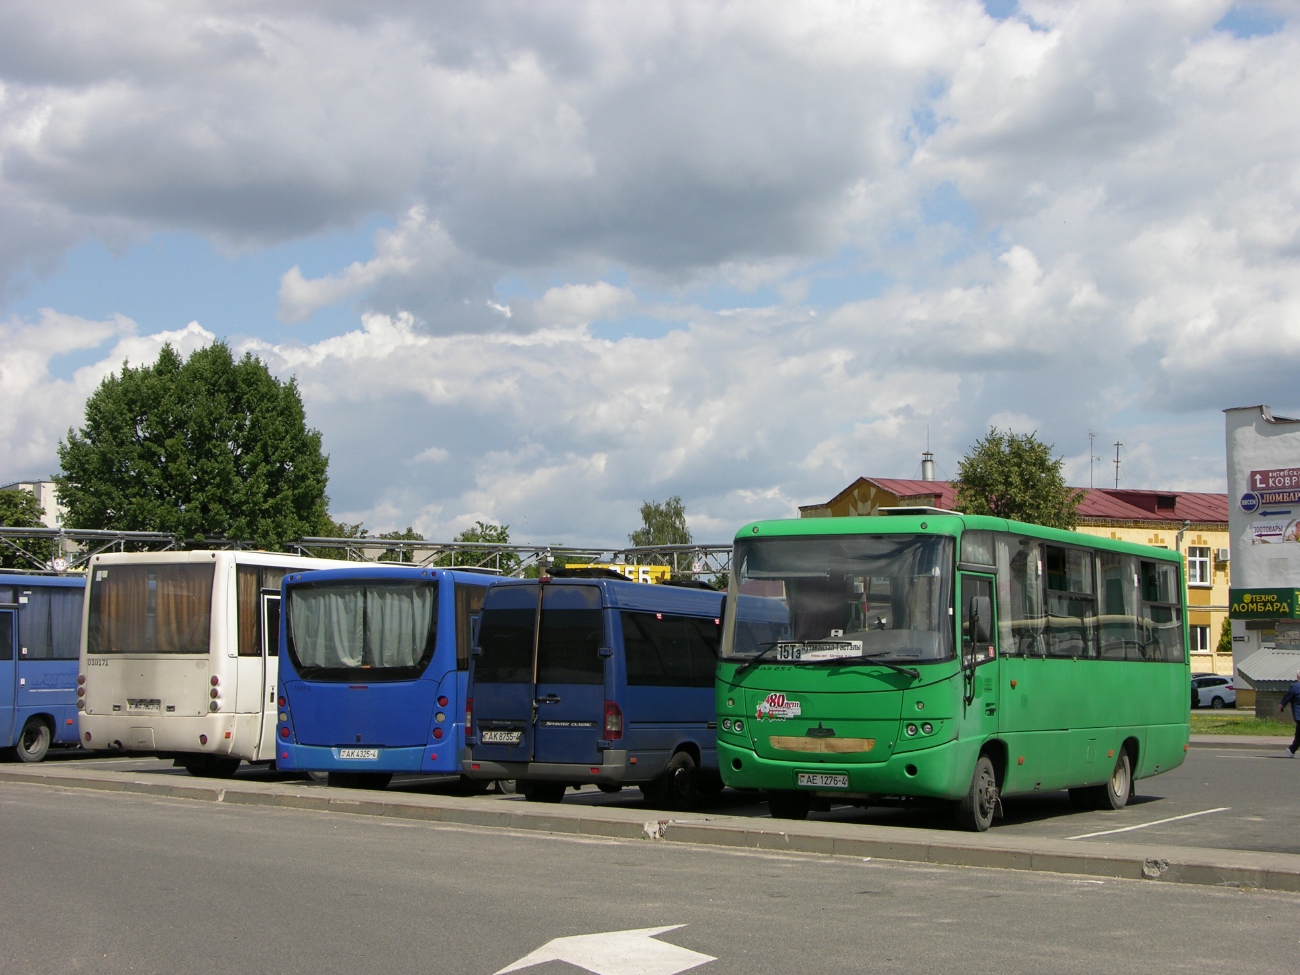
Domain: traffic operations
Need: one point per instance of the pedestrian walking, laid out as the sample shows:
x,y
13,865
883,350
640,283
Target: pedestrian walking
x,y
1292,697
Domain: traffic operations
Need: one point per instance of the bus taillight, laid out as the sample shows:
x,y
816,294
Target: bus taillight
x,y
613,721
469,716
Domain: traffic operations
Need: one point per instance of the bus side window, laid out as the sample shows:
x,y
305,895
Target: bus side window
x,y
1118,622
6,636
469,607
1162,617
1071,604
1021,618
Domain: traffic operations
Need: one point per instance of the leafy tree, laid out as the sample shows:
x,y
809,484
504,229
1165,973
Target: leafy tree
x,y
488,533
662,524
20,509
1225,637
400,555
205,447
1011,475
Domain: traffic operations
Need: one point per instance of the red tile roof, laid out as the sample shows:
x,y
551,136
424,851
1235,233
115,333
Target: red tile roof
x,y
1098,503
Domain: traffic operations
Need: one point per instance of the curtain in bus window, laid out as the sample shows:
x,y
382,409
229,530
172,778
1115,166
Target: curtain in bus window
x,y
6,636
327,626
469,603
1117,585
506,635
572,633
1071,606
1162,622
400,623
119,609
183,608
1022,619
246,600
34,636
49,624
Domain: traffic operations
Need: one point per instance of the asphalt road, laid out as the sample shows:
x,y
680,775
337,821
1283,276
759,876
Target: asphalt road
x,y
116,883
1242,799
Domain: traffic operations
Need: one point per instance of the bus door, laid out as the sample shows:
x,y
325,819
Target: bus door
x,y
569,698
8,679
538,689
979,655
270,620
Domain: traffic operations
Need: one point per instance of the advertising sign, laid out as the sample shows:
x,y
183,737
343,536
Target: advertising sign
x,y
1271,531
1263,604
1277,486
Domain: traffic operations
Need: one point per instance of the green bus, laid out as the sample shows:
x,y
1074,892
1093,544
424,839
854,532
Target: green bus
x,y
927,654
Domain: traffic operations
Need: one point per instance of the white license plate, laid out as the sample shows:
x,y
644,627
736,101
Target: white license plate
x,y
501,737
823,780
362,754
142,704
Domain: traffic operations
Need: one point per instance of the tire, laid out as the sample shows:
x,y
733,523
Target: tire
x,y
543,791
210,766
975,811
1217,703
360,780
504,787
789,805
1114,794
676,787
34,742
473,787
609,788
318,775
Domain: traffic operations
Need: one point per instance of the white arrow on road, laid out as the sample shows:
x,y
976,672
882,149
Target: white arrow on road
x,y
617,953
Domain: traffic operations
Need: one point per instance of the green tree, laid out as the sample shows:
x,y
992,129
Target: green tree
x,y
20,509
400,555
491,534
205,447
1225,637
1011,475
662,524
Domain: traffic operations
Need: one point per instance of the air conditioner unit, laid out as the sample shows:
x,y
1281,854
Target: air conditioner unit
x,y
1221,555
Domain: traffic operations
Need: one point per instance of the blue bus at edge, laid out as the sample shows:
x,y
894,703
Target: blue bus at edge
x,y
373,663
40,638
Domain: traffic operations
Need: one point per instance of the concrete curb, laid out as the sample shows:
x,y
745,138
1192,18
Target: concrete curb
x,y
1262,743
1169,864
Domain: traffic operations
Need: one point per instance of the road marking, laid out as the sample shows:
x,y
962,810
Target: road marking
x,y
1171,819
634,952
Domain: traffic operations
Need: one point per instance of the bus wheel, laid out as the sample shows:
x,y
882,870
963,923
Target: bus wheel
x,y
318,775
975,812
1114,794
543,791
505,787
609,788
34,742
789,805
210,766
675,788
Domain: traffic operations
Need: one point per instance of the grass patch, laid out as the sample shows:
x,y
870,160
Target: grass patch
x,y
1239,723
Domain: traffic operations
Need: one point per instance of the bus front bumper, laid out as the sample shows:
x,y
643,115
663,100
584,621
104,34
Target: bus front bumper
x,y
611,771
940,772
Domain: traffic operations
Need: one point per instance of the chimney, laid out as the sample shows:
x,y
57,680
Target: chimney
x,y
927,466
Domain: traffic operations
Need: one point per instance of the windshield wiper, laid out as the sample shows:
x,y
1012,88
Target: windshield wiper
x,y
767,648
911,672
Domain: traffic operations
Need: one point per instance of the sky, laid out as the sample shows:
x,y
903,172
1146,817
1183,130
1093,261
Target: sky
x,y
535,263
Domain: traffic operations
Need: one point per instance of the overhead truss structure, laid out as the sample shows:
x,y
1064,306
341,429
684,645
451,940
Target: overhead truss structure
x,y
71,549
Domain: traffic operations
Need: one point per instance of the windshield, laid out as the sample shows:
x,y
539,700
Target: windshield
x,y
824,598
372,631
159,608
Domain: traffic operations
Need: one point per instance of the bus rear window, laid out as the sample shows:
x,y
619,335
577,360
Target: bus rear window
x,y
374,632
163,608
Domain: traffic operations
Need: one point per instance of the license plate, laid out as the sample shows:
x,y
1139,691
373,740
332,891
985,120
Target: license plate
x,y
501,737
144,704
823,780
363,754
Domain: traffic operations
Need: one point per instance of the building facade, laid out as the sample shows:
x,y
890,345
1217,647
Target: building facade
x,y
46,496
1193,523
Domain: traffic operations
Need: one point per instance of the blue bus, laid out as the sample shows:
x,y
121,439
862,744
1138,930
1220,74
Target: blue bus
x,y
582,678
373,663
40,640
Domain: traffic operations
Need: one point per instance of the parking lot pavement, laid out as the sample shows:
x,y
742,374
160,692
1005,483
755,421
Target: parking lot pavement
x,y
1220,799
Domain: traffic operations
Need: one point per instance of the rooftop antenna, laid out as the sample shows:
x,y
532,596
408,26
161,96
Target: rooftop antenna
x,y
927,458
1092,456
1117,446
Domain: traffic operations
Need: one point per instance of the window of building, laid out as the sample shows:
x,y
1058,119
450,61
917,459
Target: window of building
x,y
1200,637
1198,566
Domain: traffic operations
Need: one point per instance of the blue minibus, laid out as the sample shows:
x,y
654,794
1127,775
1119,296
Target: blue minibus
x,y
585,677
373,663
40,637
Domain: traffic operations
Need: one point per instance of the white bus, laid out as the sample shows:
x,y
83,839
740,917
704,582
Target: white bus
x,y
179,655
